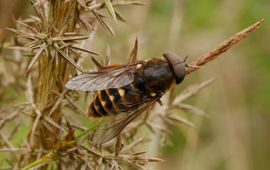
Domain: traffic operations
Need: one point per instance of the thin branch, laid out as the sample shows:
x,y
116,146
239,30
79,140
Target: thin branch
x,y
223,47
8,118
191,91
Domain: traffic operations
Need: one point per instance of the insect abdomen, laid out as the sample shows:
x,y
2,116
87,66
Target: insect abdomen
x,y
113,101
96,108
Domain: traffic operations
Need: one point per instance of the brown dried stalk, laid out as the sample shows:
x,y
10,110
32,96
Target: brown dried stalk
x,y
53,71
223,47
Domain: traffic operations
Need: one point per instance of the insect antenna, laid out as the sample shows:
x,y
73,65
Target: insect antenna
x,y
189,65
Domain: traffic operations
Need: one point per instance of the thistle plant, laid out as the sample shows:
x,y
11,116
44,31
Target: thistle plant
x,y
54,39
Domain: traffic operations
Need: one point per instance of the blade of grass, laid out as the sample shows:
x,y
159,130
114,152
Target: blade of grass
x,y
103,23
110,9
134,53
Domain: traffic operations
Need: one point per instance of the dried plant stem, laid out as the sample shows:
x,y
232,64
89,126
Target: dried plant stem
x,y
53,73
54,154
223,47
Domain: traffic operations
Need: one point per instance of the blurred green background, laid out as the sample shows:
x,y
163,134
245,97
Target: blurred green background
x,y
235,136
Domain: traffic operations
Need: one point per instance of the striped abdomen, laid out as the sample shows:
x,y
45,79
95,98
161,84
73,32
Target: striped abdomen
x,y
113,101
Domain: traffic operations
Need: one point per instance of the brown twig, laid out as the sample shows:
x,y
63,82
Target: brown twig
x,y
221,48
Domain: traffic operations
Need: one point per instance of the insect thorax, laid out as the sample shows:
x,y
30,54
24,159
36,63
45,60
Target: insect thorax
x,y
155,76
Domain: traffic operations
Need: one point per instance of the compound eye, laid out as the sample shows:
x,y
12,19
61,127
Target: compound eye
x,y
178,66
172,58
179,72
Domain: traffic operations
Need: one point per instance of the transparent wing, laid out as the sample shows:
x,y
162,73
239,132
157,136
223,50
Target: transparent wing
x,y
115,124
111,77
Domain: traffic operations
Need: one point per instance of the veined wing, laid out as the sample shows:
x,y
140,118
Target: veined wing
x,y
111,77
113,125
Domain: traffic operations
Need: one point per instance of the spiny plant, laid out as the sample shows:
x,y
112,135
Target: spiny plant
x,y
54,39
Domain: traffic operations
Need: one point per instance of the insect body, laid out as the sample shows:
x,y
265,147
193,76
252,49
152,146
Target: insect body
x,y
115,100
123,92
